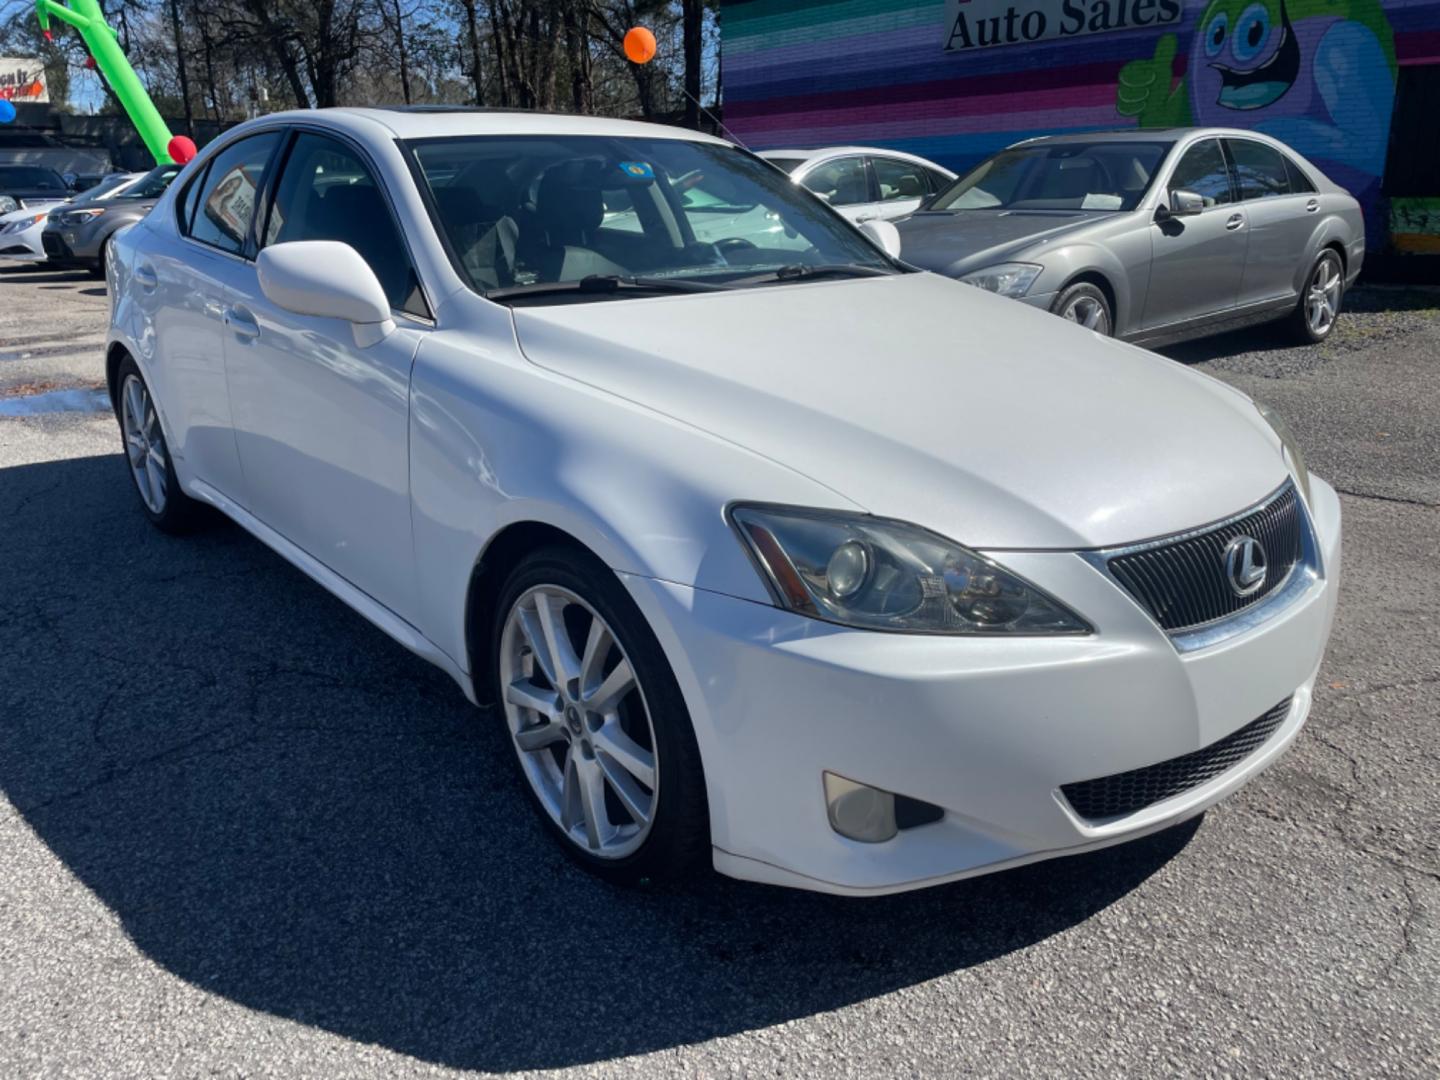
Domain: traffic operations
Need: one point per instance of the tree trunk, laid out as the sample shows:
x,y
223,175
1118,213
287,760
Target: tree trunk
x,y
577,47
693,14
180,62
473,29
404,59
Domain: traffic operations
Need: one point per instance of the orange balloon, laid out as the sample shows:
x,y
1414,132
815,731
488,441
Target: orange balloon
x,y
639,45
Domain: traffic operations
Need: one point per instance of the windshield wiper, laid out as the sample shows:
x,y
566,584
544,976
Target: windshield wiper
x,y
604,283
805,271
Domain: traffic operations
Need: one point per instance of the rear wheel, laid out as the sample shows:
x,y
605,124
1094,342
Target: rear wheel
x,y
1085,304
148,455
1319,304
597,721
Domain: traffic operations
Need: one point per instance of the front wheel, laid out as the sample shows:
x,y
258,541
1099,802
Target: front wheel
x,y
597,721
148,455
1319,304
1085,304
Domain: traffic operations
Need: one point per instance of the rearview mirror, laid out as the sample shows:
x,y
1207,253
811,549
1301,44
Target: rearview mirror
x,y
328,279
883,235
1184,203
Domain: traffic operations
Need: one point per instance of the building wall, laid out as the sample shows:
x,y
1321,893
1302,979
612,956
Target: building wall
x,y
928,76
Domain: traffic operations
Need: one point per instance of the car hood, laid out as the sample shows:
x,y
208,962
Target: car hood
x,y
956,242
917,398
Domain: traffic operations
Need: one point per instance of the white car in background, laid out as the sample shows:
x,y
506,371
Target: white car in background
x,y
21,230
761,563
864,183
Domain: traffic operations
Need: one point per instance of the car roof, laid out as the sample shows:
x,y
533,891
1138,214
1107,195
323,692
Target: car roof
x,y
1137,134
422,122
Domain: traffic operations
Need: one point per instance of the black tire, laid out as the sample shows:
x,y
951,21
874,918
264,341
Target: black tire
x,y
178,513
678,842
98,269
1084,297
1326,267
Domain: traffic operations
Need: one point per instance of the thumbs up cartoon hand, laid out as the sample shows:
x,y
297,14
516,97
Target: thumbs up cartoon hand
x,y
1145,93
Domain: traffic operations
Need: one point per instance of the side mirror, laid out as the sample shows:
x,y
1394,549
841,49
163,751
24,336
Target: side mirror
x,y
883,235
72,182
1185,203
328,279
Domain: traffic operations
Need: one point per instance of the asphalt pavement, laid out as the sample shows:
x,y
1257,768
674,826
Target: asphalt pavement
x,y
244,834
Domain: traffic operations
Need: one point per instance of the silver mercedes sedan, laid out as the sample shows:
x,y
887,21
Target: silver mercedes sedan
x,y
1151,235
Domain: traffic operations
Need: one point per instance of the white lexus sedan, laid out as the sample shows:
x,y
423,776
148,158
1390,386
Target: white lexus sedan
x,y
796,561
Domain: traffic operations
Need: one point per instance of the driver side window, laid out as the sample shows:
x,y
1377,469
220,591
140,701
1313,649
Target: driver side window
x,y
1203,171
841,182
326,192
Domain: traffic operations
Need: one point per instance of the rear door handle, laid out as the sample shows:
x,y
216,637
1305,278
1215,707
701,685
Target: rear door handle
x,y
1235,222
146,276
1312,206
241,323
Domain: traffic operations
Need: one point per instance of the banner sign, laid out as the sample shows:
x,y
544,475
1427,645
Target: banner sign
x,y
984,24
22,79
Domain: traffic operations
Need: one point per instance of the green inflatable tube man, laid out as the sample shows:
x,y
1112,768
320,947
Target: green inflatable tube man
x,y
86,17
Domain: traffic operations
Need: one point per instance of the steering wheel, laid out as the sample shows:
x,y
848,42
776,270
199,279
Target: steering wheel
x,y
734,243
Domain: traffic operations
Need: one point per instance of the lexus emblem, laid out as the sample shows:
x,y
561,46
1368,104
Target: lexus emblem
x,y
1245,565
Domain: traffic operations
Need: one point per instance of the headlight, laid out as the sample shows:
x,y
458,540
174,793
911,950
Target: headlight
x,y
78,217
876,574
1007,279
1290,449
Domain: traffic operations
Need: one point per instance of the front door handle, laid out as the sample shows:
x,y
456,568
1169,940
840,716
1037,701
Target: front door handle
x,y
1312,206
1235,222
241,323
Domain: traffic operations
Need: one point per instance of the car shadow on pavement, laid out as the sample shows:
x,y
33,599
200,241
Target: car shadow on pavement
x,y
286,809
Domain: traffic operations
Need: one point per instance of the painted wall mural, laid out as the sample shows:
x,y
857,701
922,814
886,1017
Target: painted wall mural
x,y
955,80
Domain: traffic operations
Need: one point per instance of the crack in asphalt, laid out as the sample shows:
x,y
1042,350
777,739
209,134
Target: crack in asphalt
x,y
1399,499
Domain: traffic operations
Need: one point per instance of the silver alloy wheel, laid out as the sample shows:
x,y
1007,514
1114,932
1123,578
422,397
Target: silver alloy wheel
x,y
579,721
1088,312
1322,301
144,443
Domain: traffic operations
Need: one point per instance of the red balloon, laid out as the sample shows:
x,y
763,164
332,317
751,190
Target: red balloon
x,y
181,149
639,45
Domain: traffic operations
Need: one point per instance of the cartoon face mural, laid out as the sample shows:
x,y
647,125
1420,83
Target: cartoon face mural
x,y
1290,68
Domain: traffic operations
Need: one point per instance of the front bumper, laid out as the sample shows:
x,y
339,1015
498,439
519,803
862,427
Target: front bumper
x,y
986,729
79,245
23,246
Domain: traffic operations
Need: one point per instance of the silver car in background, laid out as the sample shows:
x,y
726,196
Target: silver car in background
x,y
1150,235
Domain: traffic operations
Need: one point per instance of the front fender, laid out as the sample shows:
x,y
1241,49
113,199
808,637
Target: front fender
x,y
1120,265
495,440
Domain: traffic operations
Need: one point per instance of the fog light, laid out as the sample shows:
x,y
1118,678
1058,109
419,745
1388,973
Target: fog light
x,y
859,811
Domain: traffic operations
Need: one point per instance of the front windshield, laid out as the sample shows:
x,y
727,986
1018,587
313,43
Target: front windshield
x,y
527,210
153,184
1058,176
31,178
107,185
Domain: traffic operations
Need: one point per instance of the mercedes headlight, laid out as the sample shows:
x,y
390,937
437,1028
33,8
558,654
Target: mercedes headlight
x,y
1007,279
875,574
1290,449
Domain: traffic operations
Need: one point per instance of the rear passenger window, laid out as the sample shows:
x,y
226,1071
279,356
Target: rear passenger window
x,y
226,202
1259,170
327,193
189,201
1299,183
899,179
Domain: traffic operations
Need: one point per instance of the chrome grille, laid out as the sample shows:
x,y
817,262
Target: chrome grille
x,y
1128,792
1182,582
